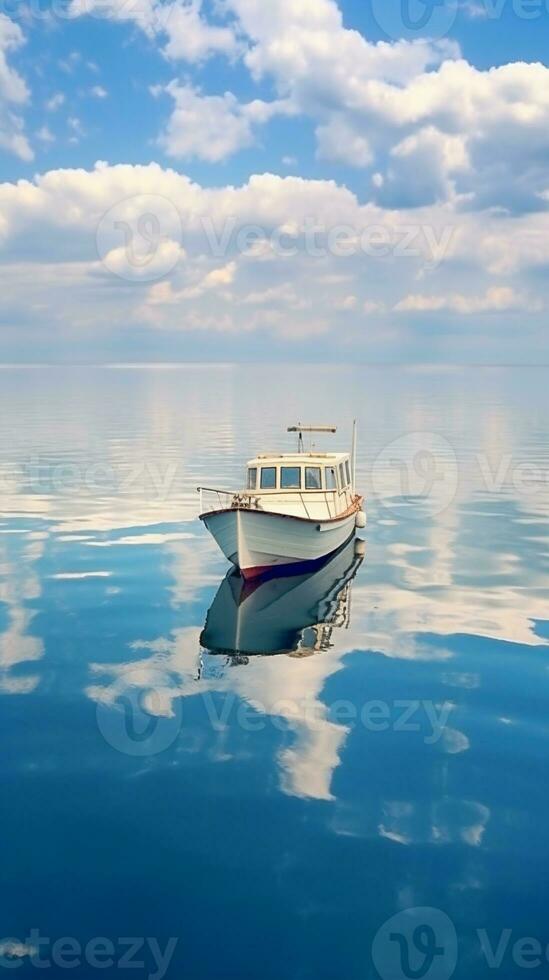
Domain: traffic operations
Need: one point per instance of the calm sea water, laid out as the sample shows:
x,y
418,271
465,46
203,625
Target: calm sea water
x,y
270,776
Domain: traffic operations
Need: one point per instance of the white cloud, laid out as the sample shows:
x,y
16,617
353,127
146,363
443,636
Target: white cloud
x,y
13,93
162,293
306,49
98,92
433,127
204,273
283,294
421,167
78,199
497,299
370,306
45,135
482,133
338,141
12,86
122,262
191,38
346,304
55,102
74,123
75,127
450,129
181,26
212,127
69,64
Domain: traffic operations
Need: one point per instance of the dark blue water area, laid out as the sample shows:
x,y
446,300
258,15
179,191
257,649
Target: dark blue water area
x,y
340,773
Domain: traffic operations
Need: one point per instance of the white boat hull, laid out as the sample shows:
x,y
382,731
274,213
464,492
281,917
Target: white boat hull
x,y
257,541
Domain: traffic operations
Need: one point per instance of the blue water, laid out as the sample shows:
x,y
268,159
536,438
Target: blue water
x,y
268,778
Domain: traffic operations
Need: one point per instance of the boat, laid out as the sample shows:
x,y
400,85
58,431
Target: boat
x,y
296,508
289,613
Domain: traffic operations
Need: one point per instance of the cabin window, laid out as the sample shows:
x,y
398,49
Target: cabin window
x,y
342,480
313,480
252,478
331,480
268,478
290,478
348,469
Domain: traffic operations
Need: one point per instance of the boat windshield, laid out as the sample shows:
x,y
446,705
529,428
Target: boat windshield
x,y
268,477
290,478
313,480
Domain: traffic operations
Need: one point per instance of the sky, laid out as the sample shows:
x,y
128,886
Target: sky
x,y
297,180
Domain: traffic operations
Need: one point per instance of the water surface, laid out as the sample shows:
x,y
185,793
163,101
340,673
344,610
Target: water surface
x,y
270,777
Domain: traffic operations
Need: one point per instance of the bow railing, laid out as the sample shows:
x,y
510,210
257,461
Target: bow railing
x,y
213,499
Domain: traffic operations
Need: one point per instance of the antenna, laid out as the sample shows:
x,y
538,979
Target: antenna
x,y
309,428
353,452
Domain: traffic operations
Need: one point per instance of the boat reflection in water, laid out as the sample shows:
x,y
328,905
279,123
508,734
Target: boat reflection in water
x,y
283,614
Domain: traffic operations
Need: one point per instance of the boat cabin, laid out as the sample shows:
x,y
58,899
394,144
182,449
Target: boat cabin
x,y
319,484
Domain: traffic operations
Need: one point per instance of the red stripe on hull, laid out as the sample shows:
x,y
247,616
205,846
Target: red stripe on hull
x,y
249,573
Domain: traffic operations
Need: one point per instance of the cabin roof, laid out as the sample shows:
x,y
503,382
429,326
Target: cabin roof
x,y
298,459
